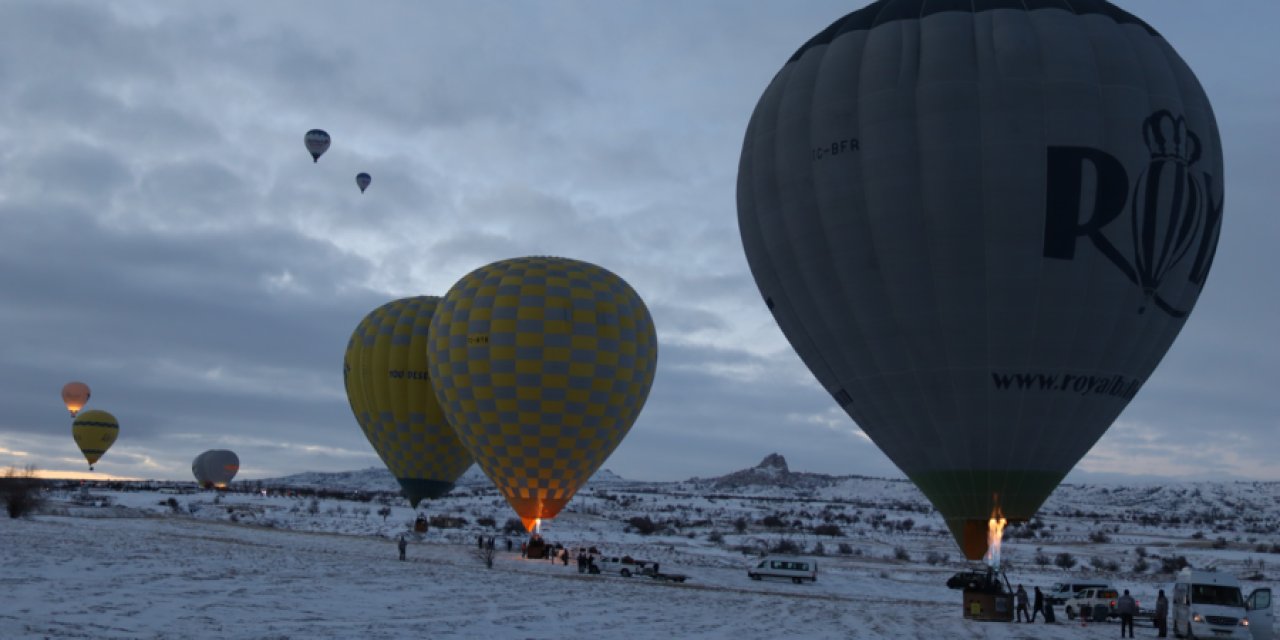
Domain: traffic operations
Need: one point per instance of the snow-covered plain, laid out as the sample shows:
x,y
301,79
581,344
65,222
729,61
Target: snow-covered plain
x,y
127,564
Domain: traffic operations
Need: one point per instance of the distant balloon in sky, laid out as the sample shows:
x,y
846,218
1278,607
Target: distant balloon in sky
x,y
75,395
385,373
215,468
981,225
94,432
317,141
542,365
362,181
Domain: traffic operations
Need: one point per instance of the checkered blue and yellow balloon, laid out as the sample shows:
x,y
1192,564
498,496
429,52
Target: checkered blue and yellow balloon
x,y
542,365
388,387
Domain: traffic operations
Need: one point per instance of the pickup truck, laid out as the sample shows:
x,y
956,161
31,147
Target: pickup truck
x,y
626,566
1082,604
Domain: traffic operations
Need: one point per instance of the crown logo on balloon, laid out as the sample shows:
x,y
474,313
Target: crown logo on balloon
x,y
1167,138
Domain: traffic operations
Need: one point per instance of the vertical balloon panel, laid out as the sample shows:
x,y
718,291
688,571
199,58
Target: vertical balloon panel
x,y
981,228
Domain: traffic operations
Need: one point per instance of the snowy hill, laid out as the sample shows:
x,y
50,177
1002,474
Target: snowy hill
x,y
884,550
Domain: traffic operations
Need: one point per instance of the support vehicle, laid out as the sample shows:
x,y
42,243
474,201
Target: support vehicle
x,y
1209,604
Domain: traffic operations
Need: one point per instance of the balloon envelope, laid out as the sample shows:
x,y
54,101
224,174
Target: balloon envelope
x,y
94,432
215,468
362,181
542,365
317,142
385,373
75,395
981,225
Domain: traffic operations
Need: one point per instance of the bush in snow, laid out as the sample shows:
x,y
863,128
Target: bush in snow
x,y
20,491
900,553
513,527
1064,561
846,548
642,525
935,558
1173,565
785,545
828,530
715,537
447,522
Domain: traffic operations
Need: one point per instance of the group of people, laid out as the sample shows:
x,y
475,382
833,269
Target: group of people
x,y
1039,608
1126,608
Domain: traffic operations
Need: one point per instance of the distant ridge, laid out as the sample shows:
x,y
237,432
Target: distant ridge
x,y
772,473
379,479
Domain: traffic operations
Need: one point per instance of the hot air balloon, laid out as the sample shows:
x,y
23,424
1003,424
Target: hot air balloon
x,y
317,141
215,468
932,197
75,395
385,372
362,181
94,432
542,365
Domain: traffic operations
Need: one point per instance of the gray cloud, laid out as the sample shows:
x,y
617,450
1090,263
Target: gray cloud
x,y
164,236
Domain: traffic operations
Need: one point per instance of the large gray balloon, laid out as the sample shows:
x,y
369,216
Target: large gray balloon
x,y
215,468
981,224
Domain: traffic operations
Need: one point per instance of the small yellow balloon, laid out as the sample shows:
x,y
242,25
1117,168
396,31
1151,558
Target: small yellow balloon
x,y
94,432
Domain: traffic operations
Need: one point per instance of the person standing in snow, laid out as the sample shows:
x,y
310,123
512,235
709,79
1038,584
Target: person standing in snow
x,y
1162,615
1126,606
1021,597
1037,605
402,544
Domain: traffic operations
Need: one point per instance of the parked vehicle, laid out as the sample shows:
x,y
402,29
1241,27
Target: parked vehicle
x,y
796,568
1209,604
1061,592
1086,601
625,566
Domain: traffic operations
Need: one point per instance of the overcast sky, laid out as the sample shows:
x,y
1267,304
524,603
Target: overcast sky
x,y
165,237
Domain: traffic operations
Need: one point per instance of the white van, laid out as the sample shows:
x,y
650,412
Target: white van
x,y
797,568
1208,604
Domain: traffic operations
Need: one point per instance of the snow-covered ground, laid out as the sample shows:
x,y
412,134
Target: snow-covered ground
x,y
128,564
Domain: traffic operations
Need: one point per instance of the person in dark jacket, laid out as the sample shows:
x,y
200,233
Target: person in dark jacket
x,y
1127,607
1162,615
1037,605
402,545
1021,598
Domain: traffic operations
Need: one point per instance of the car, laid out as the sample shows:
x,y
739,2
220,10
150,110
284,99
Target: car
x,y
626,566
967,580
1087,600
1059,593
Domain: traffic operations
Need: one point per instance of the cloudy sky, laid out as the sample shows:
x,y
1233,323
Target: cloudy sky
x,y
165,237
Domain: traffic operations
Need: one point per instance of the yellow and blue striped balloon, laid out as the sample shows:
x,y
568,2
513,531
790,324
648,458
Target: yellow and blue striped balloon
x,y
94,432
385,371
542,365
